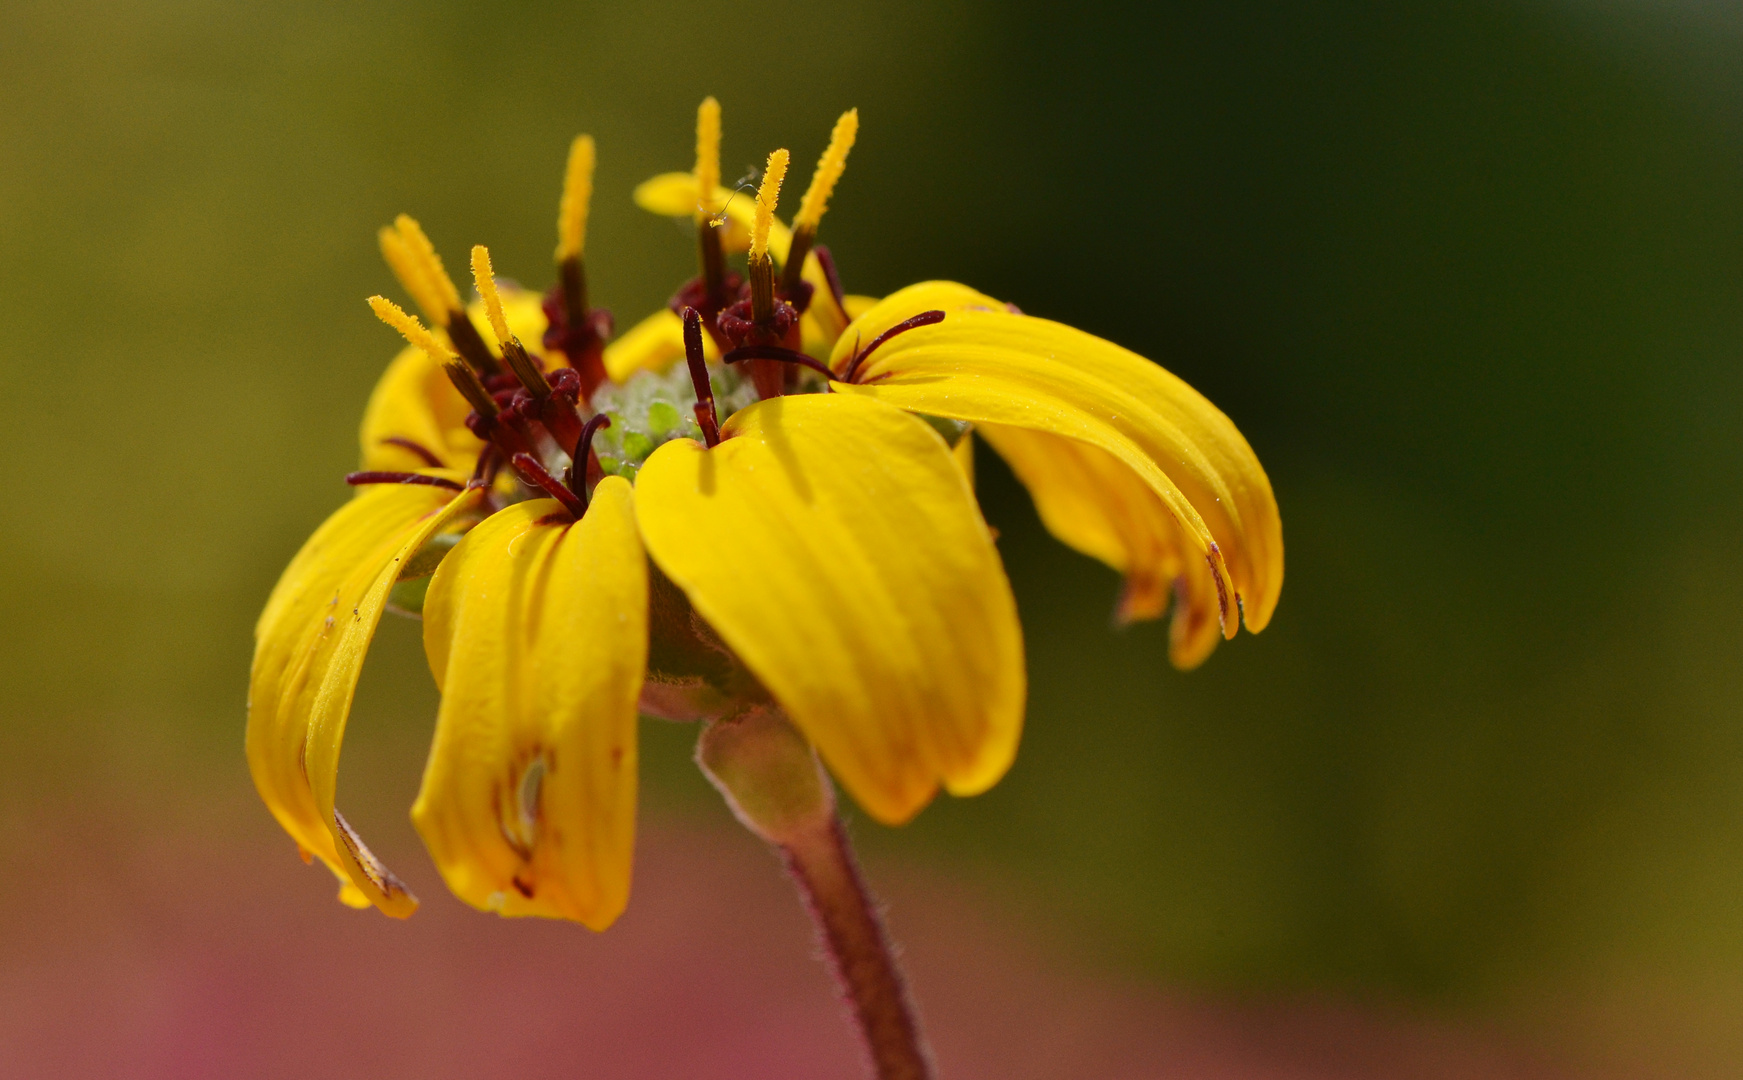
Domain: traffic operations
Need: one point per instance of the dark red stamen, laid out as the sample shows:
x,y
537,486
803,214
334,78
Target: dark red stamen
x,y
776,352
827,261
417,448
706,418
695,294
583,461
534,473
925,318
484,473
358,479
576,330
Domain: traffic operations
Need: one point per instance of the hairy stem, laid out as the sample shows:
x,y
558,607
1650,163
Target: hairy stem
x,y
828,877
771,778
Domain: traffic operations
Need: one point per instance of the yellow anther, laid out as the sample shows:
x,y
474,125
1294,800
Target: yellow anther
x,y
441,286
767,195
707,155
829,168
486,282
577,194
408,325
410,272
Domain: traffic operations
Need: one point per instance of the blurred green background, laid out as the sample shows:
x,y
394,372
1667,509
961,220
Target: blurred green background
x,y
1467,276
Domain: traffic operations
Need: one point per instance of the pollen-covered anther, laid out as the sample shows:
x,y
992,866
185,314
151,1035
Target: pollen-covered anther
x,y
768,195
572,327
811,208
707,157
410,328
413,260
577,197
709,250
513,352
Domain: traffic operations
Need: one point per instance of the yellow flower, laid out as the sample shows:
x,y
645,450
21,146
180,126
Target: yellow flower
x,y
785,521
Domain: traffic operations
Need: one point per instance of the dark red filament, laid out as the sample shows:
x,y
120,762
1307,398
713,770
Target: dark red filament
x,y
417,448
534,473
925,318
706,418
776,352
584,463
827,261
575,330
358,479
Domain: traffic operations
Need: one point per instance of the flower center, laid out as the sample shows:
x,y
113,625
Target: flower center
x,y
652,409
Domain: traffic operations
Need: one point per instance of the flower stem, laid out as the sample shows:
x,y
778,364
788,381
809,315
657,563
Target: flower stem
x,y
775,786
828,877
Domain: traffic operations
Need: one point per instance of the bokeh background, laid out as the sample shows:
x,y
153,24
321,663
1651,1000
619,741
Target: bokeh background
x,y
1467,276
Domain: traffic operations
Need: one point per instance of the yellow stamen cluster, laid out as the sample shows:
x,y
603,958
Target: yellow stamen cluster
x,y
409,327
829,169
768,194
414,261
577,195
486,282
707,156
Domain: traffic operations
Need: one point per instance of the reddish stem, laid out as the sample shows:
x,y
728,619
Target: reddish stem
x,y
823,867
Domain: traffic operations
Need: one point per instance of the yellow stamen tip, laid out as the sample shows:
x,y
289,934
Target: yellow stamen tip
x,y
768,194
577,195
707,154
405,267
486,282
408,326
439,287
829,169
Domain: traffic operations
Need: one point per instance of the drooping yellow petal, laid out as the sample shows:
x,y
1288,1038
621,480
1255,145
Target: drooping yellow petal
x,y
963,454
536,630
676,195
988,365
309,648
654,344
834,545
1092,501
415,401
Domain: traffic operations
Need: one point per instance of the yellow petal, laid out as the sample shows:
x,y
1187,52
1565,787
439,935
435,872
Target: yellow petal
x,y
675,194
833,544
309,648
988,365
963,454
1092,501
414,400
654,344
536,630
